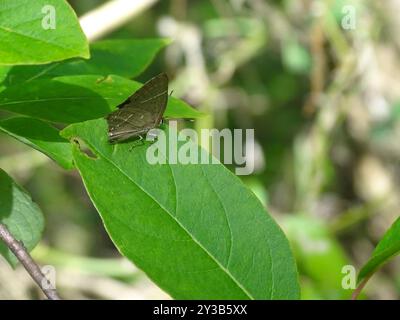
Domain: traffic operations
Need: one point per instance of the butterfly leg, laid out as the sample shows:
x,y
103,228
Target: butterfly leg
x,y
145,141
137,143
141,140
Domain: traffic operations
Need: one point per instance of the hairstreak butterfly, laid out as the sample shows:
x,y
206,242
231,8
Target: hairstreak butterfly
x,y
141,112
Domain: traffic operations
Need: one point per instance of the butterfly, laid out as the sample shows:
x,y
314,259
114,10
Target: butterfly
x,y
141,112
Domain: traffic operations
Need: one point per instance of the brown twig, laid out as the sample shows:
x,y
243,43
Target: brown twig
x,y
26,260
361,286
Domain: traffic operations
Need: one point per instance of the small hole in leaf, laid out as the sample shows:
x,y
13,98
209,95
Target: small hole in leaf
x,y
84,148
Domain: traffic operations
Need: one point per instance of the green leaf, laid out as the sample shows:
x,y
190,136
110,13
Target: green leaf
x,y
179,109
195,229
41,136
64,99
387,248
126,58
20,214
24,40
72,99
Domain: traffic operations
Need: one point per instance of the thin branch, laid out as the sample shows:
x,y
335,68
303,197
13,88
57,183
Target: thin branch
x,y
110,16
361,286
26,260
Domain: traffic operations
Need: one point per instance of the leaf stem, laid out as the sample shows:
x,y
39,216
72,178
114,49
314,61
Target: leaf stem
x,y
361,286
26,260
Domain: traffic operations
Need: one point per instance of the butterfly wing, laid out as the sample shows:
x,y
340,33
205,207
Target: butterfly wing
x,y
141,112
153,96
124,124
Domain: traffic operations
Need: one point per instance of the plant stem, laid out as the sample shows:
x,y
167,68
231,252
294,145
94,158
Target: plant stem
x,y
361,286
26,260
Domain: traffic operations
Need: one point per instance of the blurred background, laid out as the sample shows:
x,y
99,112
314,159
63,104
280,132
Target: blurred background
x,y
318,80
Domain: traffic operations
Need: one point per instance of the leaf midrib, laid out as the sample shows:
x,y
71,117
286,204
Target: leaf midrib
x,y
53,99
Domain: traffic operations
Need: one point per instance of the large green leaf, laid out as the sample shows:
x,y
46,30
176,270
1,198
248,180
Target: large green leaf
x,y
20,214
387,248
195,229
41,136
24,40
72,99
126,58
